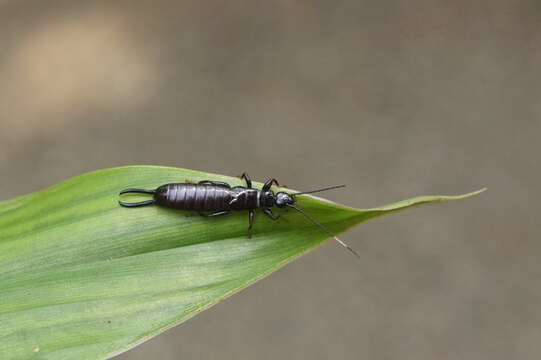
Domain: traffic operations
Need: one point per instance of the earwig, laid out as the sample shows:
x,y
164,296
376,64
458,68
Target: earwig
x,y
217,198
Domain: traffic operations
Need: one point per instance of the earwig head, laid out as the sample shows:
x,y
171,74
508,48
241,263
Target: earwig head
x,y
283,199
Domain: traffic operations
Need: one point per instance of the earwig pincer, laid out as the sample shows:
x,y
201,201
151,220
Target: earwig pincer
x,y
216,198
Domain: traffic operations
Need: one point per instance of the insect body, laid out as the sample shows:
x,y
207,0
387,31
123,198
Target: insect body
x,y
216,198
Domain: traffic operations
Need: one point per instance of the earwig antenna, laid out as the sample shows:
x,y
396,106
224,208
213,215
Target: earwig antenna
x,y
318,190
137,191
314,221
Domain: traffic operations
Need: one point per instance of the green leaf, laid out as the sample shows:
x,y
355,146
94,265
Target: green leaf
x,y
83,278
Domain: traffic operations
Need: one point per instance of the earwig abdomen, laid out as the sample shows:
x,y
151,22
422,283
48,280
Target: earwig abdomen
x,y
204,197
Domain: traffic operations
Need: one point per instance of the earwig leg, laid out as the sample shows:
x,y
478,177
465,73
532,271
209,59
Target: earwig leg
x,y
248,180
269,183
218,213
251,217
269,213
217,183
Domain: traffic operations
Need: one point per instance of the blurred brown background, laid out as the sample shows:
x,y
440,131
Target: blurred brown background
x,y
393,98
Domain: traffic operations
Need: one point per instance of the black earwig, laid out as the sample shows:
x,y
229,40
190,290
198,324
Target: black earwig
x,y
216,198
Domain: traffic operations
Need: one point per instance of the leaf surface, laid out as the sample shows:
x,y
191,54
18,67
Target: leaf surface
x,y
83,278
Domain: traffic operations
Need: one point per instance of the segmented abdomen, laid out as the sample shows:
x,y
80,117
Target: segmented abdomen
x,y
194,197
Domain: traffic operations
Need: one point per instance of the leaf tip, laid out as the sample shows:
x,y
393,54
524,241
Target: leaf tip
x,y
473,193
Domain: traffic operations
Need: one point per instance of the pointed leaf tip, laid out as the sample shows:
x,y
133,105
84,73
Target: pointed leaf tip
x,y
112,277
